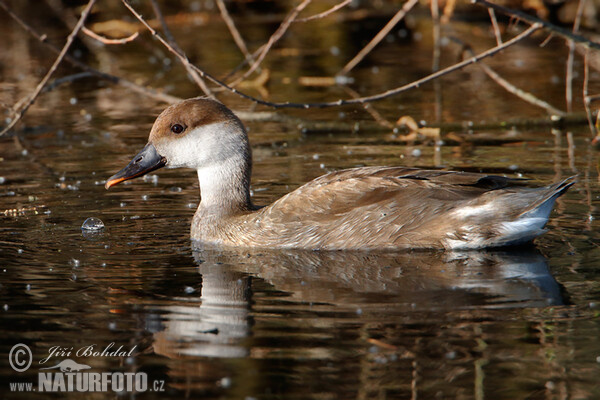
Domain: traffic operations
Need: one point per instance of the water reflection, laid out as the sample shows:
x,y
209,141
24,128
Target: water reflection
x,y
219,320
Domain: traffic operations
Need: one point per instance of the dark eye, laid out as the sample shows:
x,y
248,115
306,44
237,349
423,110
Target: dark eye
x,y
177,129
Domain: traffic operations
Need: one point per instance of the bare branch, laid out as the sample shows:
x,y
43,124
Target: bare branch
x,y
26,102
587,99
272,40
104,40
534,20
379,37
324,13
571,57
102,75
495,25
237,37
523,95
361,100
199,81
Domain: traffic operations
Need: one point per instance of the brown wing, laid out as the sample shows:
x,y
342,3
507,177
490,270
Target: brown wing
x,y
374,207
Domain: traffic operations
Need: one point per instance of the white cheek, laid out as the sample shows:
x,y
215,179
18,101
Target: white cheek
x,y
199,148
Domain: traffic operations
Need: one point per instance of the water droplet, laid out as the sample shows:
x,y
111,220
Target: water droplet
x,y
92,224
144,197
225,382
189,290
73,101
2,180
359,311
315,156
28,287
416,153
112,326
122,204
20,251
5,307
74,262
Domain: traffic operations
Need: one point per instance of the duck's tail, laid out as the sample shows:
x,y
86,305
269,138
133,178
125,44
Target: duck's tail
x,y
530,223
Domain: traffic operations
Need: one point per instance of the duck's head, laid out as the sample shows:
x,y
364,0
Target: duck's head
x,y
196,133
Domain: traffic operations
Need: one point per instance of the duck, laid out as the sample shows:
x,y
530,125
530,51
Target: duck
x,y
364,208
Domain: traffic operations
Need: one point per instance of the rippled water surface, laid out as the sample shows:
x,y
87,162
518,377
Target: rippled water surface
x,y
511,324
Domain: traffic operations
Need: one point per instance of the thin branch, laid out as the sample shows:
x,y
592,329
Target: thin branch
x,y
586,99
324,13
66,79
415,84
565,33
199,81
523,95
22,109
379,37
105,40
571,57
495,25
237,37
102,75
272,40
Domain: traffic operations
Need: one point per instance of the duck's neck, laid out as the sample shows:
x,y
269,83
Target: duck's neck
x,y
225,188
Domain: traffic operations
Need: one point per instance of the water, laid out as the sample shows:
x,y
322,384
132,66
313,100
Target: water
x,y
520,323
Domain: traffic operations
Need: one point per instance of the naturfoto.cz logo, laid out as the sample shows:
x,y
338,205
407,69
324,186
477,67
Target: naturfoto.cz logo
x,y
66,375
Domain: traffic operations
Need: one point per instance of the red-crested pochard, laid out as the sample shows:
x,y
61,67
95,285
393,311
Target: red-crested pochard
x,y
359,208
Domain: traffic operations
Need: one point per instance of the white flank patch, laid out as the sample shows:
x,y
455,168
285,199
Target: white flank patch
x,y
469,211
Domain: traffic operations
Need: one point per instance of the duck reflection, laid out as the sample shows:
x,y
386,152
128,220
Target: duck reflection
x,y
220,322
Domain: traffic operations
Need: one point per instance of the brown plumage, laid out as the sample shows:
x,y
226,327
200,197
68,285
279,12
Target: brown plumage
x,y
361,208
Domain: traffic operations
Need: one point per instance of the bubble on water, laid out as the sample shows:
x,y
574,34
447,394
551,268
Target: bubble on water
x,y
175,189
416,153
73,101
20,251
28,287
315,156
225,382
74,262
2,180
122,204
144,197
189,290
92,224
112,326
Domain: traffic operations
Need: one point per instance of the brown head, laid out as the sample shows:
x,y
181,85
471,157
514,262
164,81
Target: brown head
x,y
197,133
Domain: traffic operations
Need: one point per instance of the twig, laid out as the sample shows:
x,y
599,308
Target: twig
x,y
509,87
534,20
324,13
272,40
586,99
237,37
495,25
340,102
104,40
379,37
102,75
437,50
369,108
66,79
199,81
571,57
22,109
